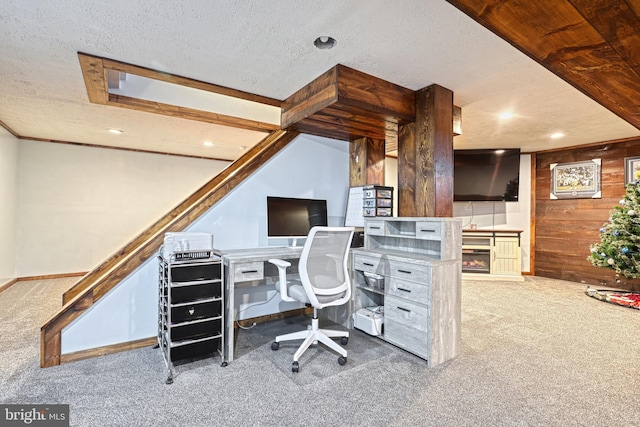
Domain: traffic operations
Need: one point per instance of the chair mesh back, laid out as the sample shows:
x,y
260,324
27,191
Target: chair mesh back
x,y
325,261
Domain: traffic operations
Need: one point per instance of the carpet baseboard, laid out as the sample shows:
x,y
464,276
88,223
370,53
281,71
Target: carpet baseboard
x,y
108,349
8,284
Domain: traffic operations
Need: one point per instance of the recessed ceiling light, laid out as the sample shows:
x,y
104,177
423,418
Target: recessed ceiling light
x,y
115,131
324,42
499,151
208,144
506,115
556,135
242,147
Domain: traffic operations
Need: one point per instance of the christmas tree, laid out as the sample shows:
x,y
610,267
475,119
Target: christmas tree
x,y
619,247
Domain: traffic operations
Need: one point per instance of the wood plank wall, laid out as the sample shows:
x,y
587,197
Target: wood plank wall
x,y
565,228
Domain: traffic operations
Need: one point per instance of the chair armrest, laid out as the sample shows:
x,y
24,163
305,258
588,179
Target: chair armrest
x,y
281,286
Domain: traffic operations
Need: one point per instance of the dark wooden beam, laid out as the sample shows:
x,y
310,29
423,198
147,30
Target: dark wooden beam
x,y
425,156
95,70
407,171
457,121
375,161
347,104
179,112
366,162
594,45
358,162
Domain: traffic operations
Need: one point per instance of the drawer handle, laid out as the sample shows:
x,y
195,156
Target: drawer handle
x,y
368,264
404,309
375,228
404,290
249,271
428,231
404,271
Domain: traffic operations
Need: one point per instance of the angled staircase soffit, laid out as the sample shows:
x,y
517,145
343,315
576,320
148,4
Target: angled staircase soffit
x,y
93,286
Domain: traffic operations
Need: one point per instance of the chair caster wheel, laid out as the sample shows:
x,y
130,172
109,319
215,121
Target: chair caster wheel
x,y
295,367
344,340
342,360
275,345
169,380
224,364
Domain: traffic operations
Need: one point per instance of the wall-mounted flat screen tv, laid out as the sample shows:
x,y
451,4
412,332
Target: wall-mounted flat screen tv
x,y
486,175
293,218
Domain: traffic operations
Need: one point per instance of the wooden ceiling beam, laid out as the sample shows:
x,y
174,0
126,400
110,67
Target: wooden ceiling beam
x,y
188,113
618,23
347,104
94,71
594,45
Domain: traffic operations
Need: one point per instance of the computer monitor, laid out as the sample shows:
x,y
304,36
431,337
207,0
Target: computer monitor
x,y
292,218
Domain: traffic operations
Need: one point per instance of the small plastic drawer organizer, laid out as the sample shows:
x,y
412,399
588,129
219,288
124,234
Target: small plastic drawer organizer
x,y
377,201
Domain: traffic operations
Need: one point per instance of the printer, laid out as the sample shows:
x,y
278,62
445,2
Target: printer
x,y
369,320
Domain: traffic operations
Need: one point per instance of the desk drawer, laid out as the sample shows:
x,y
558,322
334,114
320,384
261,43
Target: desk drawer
x,y
374,228
248,271
405,312
429,230
406,337
416,292
407,271
369,264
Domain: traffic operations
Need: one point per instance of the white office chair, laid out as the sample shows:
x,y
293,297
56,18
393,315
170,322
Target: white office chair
x,y
324,281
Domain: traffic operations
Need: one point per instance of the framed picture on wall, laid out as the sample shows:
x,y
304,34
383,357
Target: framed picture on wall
x,y
576,180
631,169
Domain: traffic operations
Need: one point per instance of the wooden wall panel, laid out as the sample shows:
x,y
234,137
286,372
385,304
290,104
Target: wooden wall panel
x,y
564,229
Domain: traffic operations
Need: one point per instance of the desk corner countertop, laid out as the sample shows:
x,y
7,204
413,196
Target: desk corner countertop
x,y
262,253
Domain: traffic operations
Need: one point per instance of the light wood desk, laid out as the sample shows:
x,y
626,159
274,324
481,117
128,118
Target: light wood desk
x,y
243,266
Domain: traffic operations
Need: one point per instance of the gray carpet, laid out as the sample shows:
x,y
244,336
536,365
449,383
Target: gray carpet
x,y
538,353
317,363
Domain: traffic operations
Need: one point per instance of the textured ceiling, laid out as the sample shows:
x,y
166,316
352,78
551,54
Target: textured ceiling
x,y
267,48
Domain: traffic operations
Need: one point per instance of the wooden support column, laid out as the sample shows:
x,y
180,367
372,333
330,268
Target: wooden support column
x,y
425,156
366,162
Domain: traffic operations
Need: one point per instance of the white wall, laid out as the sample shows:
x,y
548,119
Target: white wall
x,y
308,167
504,215
78,205
9,155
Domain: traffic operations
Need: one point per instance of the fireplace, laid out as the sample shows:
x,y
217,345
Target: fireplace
x,y
476,261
